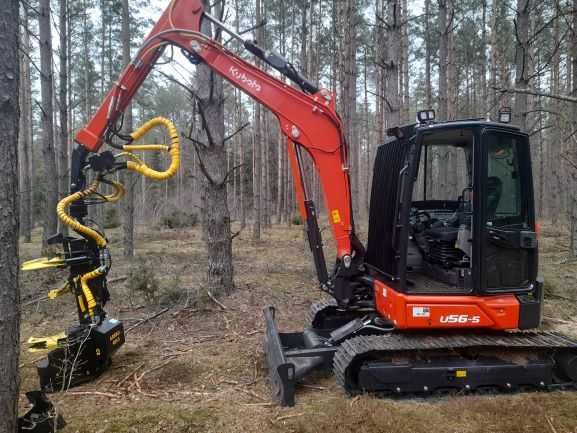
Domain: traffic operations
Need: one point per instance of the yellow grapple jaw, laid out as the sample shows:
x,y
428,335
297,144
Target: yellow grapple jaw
x,y
43,263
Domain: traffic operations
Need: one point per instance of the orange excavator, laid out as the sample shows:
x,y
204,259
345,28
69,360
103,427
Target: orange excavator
x,y
445,296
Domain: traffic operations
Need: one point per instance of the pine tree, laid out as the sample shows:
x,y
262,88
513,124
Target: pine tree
x,y
9,289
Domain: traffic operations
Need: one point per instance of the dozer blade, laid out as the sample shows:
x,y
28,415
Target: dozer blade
x,y
291,356
43,263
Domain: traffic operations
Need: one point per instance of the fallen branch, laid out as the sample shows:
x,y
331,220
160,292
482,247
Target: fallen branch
x,y
34,361
185,351
98,393
553,295
133,371
117,279
285,417
146,319
551,426
319,388
252,393
216,301
555,320
150,370
256,331
35,301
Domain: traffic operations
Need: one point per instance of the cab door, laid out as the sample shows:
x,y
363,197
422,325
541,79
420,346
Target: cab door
x,y
508,256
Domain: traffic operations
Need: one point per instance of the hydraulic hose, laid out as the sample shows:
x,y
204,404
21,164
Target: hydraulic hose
x,y
84,279
135,164
117,194
88,232
173,150
74,224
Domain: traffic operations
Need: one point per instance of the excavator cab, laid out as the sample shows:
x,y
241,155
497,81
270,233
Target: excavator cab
x,y
462,222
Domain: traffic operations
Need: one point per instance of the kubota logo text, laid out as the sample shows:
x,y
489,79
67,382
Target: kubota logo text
x,y
460,318
241,76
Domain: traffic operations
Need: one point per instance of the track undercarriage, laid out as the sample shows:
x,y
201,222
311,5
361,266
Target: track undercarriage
x,y
368,356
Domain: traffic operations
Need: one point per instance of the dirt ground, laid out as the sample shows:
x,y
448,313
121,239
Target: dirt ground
x,y
199,367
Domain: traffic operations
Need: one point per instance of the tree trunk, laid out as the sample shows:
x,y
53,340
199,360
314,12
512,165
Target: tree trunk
x,y
406,88
494,60
215,215
428,56
242,174
555,190
573,92
452,80
522,55
47,116
9,290
443,59
63,181
348,84
128,179
257,149
391,62
25,136
368,144
484,105
281,150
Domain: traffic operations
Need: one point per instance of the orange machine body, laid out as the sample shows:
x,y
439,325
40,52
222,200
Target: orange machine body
x,y
496,312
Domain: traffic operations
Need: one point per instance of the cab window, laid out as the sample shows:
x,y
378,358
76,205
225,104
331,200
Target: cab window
x,y
503,201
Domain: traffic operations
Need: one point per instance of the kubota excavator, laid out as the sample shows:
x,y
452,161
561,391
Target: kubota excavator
x,y
440,300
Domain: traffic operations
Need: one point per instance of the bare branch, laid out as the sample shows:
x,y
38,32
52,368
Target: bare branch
x,y
201,164
536,93
229,172
29,6
178,83
569,161
537,131
204,122
41,108
30,59
193,140
235,132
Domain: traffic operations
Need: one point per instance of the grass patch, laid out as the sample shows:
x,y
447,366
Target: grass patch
x,y
147,418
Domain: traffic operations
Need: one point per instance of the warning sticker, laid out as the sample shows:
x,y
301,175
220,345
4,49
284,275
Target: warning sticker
x,y
336,216
421,312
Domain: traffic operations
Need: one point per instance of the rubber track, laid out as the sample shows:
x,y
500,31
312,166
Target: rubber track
x,y
358,346
319,306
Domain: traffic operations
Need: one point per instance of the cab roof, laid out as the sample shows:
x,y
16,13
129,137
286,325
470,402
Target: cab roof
x,y
407,131
467,123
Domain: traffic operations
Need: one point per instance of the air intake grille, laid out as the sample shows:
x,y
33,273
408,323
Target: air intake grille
x,y
389,161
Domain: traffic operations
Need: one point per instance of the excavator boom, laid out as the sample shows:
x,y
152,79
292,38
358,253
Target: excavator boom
x,y
307,118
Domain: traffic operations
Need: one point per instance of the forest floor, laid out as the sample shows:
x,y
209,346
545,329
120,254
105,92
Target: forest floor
x,y
200,367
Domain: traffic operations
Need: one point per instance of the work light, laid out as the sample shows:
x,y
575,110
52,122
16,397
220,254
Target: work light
x,y
426,116
505,115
